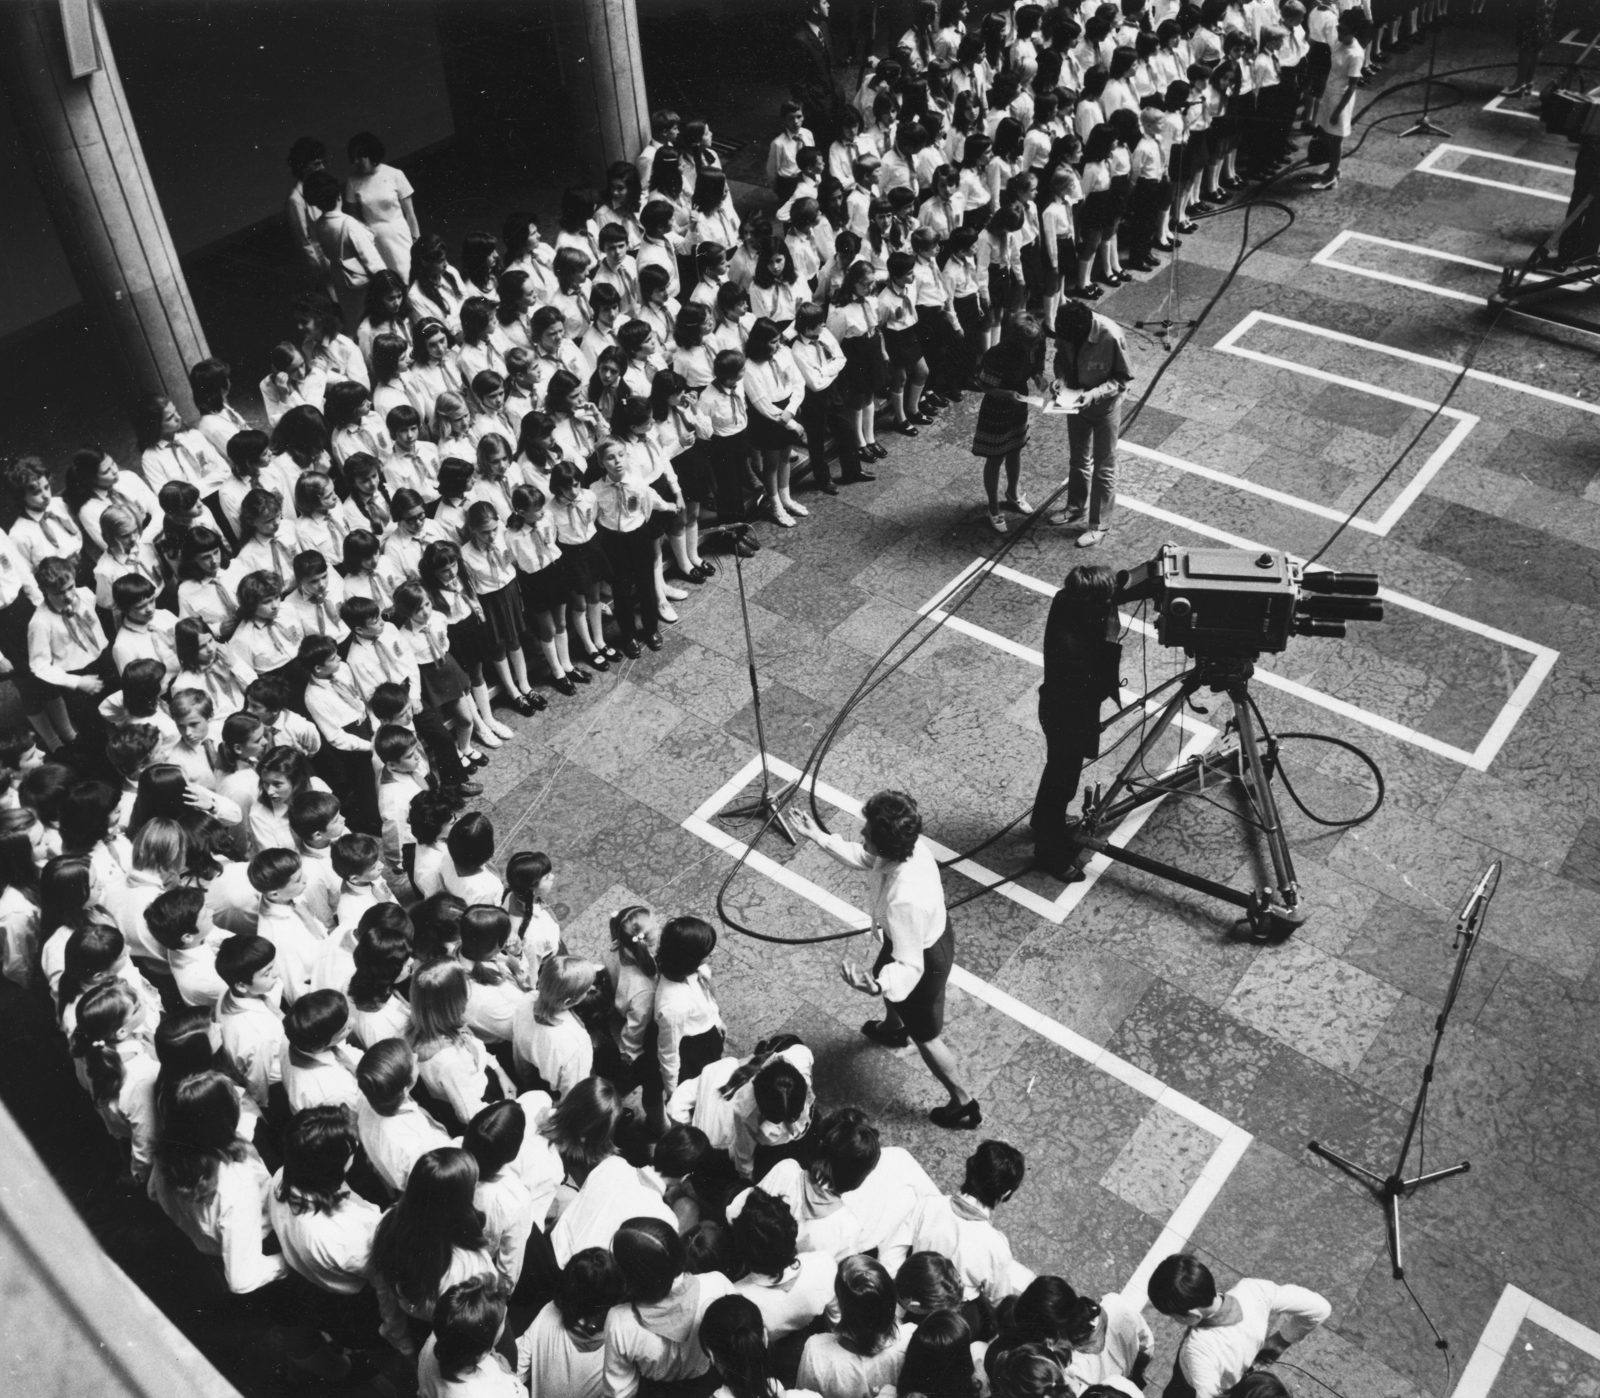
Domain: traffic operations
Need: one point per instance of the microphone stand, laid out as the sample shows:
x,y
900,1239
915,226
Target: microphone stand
x,y
1424,126
1390,1189
767,806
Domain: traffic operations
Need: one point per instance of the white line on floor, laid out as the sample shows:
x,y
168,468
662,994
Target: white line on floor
x,y
1498,104
1429,165
1229,344
1232,1140
1513,1308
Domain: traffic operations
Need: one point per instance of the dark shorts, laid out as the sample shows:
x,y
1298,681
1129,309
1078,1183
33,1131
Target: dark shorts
x,y
922,1011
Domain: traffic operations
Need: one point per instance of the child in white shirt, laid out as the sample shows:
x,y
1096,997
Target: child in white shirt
x,y
689,1027
318,1067
467,872
549,1043
395,1130
249,1020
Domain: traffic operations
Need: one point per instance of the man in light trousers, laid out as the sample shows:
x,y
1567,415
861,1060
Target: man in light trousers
x,y
1091,357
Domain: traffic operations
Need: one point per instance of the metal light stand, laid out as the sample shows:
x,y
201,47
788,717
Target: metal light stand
x,y
1426,127
1390,1189
766,806
1271,914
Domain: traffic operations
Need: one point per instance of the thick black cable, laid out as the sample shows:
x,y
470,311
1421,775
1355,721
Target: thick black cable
x,y
1305,810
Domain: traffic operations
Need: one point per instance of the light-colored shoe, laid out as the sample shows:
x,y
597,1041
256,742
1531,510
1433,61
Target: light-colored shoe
x,y
666,613
1324,184
502,730
674,594
795,509
780,516
997,522
1090,537
484,736
1020,504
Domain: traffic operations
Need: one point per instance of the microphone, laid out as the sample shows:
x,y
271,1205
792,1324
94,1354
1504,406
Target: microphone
x,y
1472,910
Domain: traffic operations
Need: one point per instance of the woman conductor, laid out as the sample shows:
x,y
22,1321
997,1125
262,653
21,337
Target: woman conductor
x,y
918,943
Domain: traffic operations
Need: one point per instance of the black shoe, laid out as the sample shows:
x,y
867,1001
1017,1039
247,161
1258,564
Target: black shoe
x,y
537,700
957,1118
463,789
629,647
827,488
908,428
704,570
578,675
875,451
884,1037
595,661
857,478
562,685
473,763
653,639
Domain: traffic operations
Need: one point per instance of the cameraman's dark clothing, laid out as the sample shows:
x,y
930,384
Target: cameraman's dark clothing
x,y
1080,674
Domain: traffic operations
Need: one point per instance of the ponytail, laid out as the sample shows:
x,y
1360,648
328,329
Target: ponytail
x,y
103,1013
765,1052
625,938
734,1339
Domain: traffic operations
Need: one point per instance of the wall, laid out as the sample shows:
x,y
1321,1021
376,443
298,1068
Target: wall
x,y
219,90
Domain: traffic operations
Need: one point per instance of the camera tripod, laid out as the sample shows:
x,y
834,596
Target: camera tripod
x,y
1272,913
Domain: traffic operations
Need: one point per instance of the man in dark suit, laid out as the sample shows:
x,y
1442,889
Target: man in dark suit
x,y
814,85
1082,661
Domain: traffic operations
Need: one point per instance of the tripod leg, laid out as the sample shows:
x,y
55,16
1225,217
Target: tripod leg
x,y
1392,1211
1285,914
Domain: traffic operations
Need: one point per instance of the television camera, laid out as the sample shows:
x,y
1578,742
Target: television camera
x,y
1224,608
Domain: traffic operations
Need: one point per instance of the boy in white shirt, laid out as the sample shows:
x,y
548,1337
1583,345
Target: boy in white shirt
x,y
146,633
267,697
358,861
431,814
313,604
395,1130
248,1016
1234,1331
319,1068
401,783
285,921
317,820
180,921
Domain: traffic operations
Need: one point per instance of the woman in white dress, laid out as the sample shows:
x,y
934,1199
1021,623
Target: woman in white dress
x,y
380,196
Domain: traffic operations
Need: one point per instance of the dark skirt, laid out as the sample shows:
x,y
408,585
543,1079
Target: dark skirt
x,y
1121,187
502,614
1097,213
697,1052
587,565
443,682
1002,427
661,522
904,347
547,589
693,469
922,1011
866,367
14,646
768,434
1197,151
471,642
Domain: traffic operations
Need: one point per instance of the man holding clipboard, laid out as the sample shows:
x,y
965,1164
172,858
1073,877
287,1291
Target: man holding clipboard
x,y
1092,373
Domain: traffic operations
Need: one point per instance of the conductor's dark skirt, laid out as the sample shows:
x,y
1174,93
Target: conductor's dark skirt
x,y
587,565
922,1011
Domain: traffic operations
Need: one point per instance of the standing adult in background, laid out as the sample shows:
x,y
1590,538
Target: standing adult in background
x,y
918,942
1335,110
347,243
308,157
380,196
1091,356
1082,660
814,86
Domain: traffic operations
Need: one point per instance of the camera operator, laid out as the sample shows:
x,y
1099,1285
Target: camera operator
x,y
1082,661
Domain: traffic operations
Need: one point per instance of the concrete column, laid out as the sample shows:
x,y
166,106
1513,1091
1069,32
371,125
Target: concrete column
x,y
85,151
604,70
